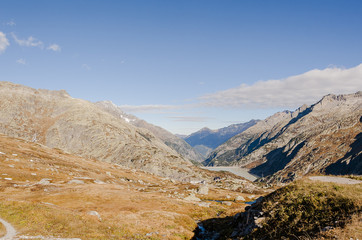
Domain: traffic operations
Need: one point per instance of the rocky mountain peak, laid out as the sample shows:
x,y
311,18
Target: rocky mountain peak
x,y
77,126
288,145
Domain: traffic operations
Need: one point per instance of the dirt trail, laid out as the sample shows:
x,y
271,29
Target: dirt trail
x,y
11,233
10,230
341,180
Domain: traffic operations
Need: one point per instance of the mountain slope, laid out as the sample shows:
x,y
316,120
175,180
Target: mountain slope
x,y
205,140
174,142
48,194
324,137
55,119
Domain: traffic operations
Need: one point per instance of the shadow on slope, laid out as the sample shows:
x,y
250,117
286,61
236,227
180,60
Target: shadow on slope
x,y
351,163
276,160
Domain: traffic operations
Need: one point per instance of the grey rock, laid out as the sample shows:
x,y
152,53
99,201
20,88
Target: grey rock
x,y
203,190
76,181
239,198
192,198
95,213
45,181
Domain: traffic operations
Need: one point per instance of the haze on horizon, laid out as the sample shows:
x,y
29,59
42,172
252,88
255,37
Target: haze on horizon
x,y
188,64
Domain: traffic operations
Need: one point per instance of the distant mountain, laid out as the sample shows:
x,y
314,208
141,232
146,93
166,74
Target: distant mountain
x,y
174,142
55,119
324,137
205,140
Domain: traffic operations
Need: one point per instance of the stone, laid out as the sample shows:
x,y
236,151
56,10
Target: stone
x,y
76,181
226,203
203,190
192,198
239,198
95,213
45,181
204,204
99,182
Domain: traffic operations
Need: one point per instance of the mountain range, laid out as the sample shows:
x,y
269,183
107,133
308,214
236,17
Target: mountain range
x,y
322,138
55,119
205,140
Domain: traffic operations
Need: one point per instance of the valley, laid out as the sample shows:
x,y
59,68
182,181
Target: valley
x,y
73,169
46,192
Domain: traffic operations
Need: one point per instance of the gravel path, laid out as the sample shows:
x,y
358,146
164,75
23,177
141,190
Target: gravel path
x,y
10,231
341,180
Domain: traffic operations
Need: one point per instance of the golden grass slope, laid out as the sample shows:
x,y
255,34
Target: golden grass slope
x,y
46,192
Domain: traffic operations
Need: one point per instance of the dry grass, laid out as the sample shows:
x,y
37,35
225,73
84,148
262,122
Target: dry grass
x,y
2,230
304,208
132,204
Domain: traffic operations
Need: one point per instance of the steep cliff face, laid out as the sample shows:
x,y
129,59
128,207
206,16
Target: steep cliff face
x,y
324,137
174,142
57,120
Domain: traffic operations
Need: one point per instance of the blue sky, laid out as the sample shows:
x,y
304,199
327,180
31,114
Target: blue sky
x,y
186,64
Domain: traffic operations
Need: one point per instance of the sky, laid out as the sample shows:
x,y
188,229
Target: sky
x,y
185,65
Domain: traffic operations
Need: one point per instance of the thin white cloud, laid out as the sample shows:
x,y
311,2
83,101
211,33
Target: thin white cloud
x,y
289,92
11,23
54,47
4,42
29,42
146,108
189,119
86,67
21,61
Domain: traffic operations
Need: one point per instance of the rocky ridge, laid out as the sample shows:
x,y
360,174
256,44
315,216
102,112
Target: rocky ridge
x,y
324,137
57,120
205,140
174,142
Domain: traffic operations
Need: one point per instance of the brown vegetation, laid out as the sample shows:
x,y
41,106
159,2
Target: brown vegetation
x,y
37,198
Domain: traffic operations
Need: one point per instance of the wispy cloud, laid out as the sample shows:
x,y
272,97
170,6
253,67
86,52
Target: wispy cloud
x,y
289,92
4,42
86,67
10,23
29,42
147,108
54,47
21,61
189,119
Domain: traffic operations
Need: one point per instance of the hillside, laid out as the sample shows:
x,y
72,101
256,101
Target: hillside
x,y
57,120
48,194
302,210
174,142
324,137
205,140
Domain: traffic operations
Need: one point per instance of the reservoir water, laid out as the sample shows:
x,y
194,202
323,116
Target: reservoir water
x,y
242,172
